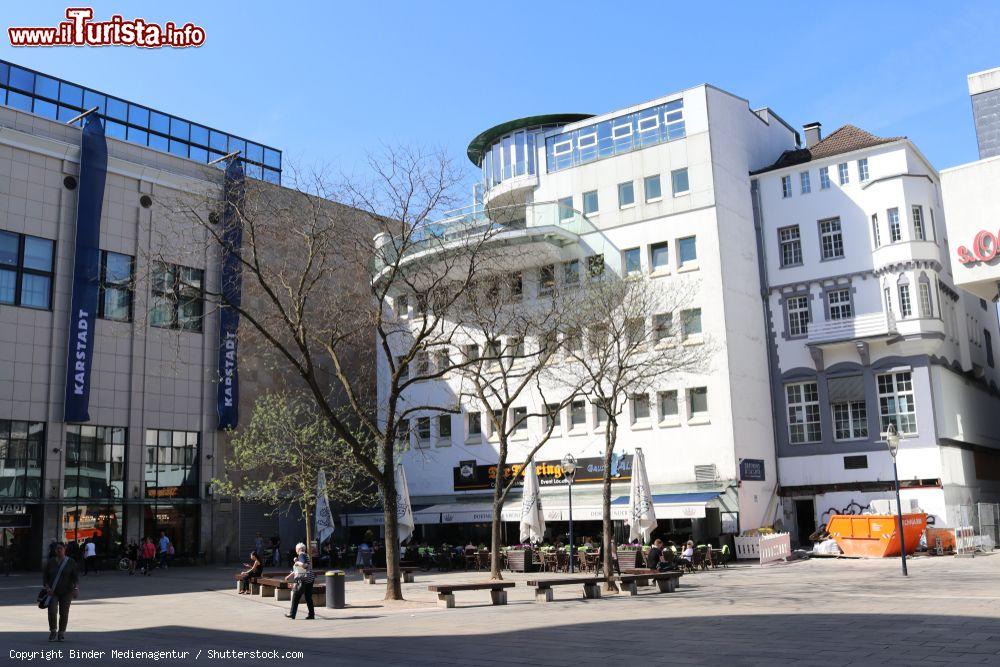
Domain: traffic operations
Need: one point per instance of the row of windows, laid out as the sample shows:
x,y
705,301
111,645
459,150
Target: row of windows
x,y
658,257
831,242
652,192
843,177
96,458
918,230
575,417
26,277
51,98
514,348
619,135
849,409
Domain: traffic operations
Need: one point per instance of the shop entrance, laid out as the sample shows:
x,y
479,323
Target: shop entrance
x,y
805,520
179,522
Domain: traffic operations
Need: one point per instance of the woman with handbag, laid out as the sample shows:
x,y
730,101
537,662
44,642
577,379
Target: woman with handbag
x,y
304,577
60,581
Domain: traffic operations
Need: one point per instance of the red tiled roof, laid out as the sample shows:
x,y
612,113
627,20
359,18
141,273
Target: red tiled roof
x,y
844,140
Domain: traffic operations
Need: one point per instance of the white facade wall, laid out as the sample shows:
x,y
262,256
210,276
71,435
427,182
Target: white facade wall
x,y
724,141
952,410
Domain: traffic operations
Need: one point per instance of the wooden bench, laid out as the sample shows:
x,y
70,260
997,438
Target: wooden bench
x,y
543,587
446,592
369,574
280,590
255,581
666,581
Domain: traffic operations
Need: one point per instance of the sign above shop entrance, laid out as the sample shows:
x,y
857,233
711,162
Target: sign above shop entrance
x,y
468,476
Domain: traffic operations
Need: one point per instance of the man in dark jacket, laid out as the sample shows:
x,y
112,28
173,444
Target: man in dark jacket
x,y
61,581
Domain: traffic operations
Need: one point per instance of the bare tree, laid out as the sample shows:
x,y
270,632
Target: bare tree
x,y
624,358
518,339
324,284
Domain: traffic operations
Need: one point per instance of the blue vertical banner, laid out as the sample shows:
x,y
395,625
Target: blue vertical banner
x,y
86,271
228,400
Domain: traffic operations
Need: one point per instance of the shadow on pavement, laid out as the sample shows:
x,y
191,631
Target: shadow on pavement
x,y
803,638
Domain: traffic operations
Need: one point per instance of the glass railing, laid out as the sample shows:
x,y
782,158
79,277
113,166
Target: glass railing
x,y
478,224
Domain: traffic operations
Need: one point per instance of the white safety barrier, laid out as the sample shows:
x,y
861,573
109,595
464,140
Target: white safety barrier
x,y
965,541
774,547
747,547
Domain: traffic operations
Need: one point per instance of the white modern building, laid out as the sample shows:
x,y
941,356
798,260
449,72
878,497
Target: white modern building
x,y
660,188
869,328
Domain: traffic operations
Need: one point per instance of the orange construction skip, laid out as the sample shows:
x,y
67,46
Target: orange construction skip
x,y
874,535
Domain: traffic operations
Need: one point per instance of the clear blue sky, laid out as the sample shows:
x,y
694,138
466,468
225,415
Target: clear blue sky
x,y
327,81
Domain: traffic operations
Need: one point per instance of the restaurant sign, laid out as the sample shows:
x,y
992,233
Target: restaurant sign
x,y
752,470
468,476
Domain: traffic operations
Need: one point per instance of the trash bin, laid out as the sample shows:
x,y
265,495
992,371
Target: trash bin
x,y
335,589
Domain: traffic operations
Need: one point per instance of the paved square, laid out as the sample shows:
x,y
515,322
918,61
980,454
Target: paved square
x,y
816,612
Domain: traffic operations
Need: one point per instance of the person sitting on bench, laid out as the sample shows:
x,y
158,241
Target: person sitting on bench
x,y
655,555
254,569
688,554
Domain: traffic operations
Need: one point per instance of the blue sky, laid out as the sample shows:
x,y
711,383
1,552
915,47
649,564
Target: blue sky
x,y
328,81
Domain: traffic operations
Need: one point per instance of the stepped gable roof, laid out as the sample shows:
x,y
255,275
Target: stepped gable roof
x,y
844,140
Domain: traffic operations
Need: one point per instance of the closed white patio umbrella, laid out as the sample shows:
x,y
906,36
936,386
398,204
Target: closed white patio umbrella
x,y
641,515
532,517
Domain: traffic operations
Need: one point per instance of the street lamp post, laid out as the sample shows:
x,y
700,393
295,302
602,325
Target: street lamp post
x,y
892,441
569,473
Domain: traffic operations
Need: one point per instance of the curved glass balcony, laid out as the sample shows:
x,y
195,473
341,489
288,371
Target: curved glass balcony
x,y
546,222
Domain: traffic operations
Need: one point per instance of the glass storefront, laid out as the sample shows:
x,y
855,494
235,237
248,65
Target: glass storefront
x,y
101,522
171,468
179,522
22,454
95,462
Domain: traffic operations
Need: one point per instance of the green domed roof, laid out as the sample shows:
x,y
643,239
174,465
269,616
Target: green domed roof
x,y
486,139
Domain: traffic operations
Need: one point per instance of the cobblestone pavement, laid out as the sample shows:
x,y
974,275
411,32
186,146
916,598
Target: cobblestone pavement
x,y
816,612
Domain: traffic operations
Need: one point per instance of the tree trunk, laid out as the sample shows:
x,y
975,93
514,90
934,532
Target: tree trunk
x,y
495,537
610,436
393,580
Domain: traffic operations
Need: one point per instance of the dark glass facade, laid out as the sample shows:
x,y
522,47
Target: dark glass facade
x,y
22,455
43,95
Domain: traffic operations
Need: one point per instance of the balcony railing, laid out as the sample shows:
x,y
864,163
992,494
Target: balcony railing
x,y
868,325
479,224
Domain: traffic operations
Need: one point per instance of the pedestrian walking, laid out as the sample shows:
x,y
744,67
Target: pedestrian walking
x,y
148,552
275,549
89,557
133,557
304,577
164,549
61,582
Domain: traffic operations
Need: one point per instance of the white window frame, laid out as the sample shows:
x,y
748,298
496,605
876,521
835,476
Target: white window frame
x,y
633,402
653,248
692,415
831,236
876,234
855,424
665,418
905,304
898,385
656,123
645,188
805,186
843,173
863,174
895,230
592,136
626,184
785,237
807,403
557,152
842,307
924,299
798,315
614,131
919,231
786,187
824,178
